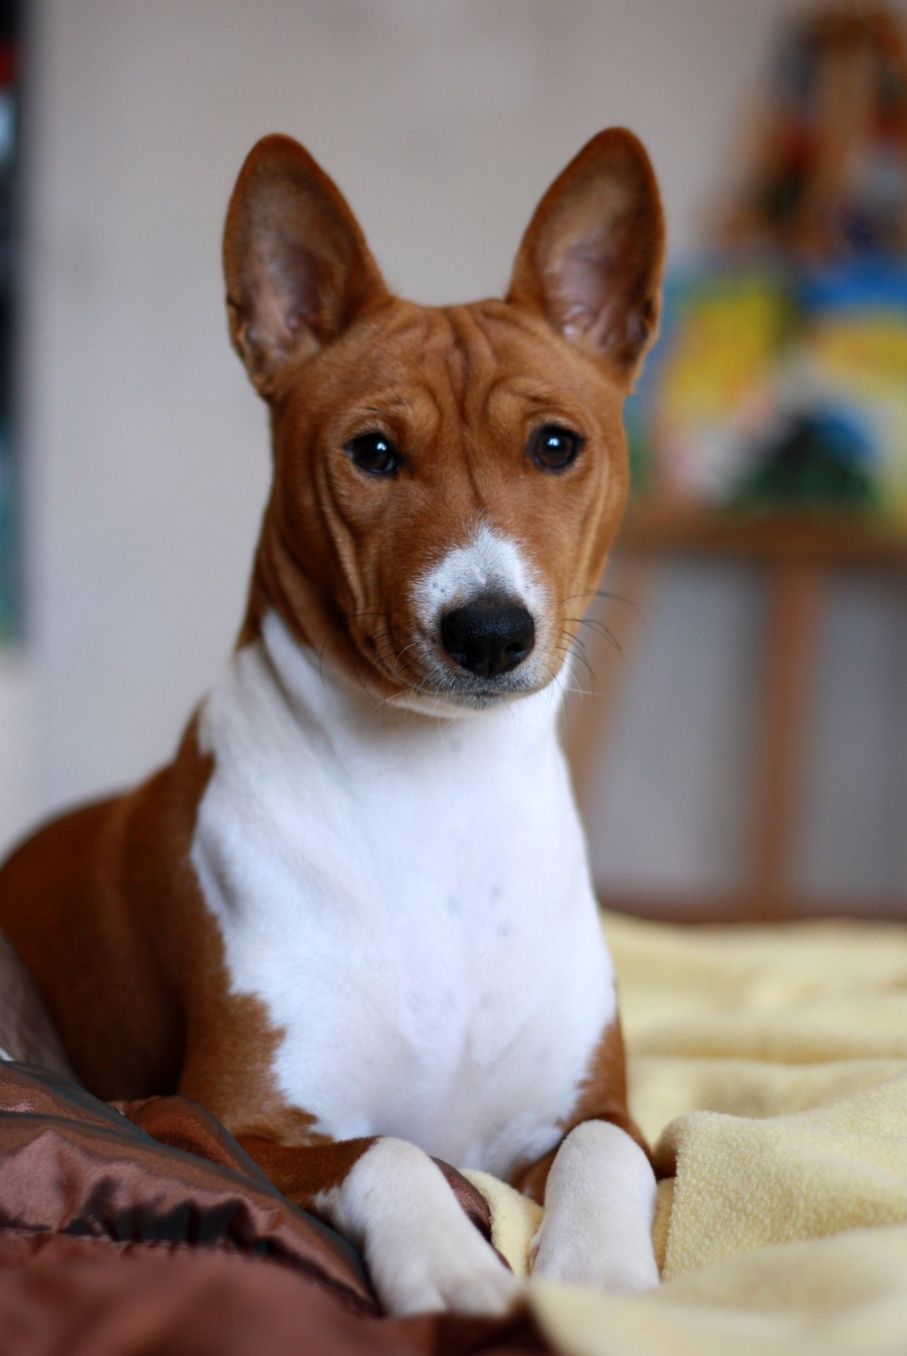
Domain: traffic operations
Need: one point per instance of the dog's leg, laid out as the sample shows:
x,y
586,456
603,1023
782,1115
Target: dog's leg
x,y
391,1200
599,1207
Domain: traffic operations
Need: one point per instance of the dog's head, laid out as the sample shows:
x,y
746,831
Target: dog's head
x,y
447,480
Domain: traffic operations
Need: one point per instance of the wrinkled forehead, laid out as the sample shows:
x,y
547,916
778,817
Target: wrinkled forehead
x,y
483,365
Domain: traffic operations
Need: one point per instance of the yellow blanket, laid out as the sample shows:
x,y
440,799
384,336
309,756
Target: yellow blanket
x,y
769,1069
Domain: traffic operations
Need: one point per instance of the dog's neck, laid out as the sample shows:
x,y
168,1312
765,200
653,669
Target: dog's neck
x,y
285,707
324,702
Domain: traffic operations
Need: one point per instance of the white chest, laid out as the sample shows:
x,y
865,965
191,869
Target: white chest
x,y
410,902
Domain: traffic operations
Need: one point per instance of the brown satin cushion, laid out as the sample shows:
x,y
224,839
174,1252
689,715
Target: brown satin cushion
x,y
67,1297
148,1230
71,1164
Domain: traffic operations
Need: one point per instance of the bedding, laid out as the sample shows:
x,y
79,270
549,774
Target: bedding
x,y
767,1066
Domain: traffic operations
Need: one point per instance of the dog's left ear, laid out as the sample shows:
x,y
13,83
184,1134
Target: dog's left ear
x,y
592,256
296,265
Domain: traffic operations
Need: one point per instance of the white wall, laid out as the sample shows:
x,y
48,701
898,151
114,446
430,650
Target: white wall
x,y
145,453
19,798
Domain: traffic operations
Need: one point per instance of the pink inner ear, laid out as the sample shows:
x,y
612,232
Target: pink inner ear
x,y
600,288
581,281
300,289
591,257
297,268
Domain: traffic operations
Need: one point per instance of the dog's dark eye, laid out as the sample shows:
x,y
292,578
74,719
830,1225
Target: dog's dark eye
x,y
553,448
374,453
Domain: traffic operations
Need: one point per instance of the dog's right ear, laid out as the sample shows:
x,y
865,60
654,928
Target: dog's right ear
x,y
297,268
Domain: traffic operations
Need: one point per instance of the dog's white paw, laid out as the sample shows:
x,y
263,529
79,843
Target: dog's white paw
x,y
449,1269
599,1206
421,1250
580,1261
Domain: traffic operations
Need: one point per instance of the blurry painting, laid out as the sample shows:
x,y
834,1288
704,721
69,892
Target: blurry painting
x,y
9,524
781,375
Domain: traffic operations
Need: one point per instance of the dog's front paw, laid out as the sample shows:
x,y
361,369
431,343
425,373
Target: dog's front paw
x,y
579,1260
599,1206
422,1252
448,1270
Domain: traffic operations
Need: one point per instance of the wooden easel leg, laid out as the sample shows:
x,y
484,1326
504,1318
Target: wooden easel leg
x,y
790,670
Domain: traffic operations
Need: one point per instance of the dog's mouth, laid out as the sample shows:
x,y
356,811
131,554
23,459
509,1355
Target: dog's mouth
x,y
473,696
475,656
442,689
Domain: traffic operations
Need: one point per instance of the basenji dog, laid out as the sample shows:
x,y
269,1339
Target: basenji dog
x,y
353,916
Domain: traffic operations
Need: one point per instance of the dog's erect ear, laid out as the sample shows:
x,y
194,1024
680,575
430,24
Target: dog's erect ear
x,y
297,267
591,258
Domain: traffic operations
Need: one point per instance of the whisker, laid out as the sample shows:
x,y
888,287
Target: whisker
x,y
607,594
588,667
569,652
606,634
587,621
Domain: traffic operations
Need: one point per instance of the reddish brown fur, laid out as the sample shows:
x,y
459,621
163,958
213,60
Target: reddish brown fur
x,y
104,905
602,1096
470,434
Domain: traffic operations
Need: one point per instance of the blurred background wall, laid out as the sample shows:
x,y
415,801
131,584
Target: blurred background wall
x,y
144,451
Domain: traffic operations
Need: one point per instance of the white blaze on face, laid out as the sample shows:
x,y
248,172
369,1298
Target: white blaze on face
x,y
487,563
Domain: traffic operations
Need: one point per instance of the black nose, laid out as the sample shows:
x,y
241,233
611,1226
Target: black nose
x,y
489,636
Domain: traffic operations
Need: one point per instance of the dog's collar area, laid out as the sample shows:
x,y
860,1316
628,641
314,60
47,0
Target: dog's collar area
x,y
320,692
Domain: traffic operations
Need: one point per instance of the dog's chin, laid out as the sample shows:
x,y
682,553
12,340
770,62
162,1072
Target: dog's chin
x,y
450,694
450,703
435,686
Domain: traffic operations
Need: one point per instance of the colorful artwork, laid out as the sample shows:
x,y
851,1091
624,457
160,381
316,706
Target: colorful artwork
x,y
781,375
709,386
824,167
780,387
